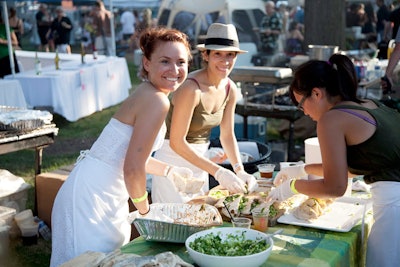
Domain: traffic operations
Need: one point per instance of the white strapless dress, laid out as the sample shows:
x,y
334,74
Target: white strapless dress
x,y
91,208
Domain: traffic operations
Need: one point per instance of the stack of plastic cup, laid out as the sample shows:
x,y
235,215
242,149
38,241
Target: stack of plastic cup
x,y
28,226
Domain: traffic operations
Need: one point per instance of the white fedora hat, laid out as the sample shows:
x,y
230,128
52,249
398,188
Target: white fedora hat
x,y
222,37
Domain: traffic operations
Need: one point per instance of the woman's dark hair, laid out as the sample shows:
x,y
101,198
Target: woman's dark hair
x,y
293,25
337,76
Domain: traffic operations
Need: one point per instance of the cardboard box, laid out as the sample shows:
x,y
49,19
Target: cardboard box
x,y
47,186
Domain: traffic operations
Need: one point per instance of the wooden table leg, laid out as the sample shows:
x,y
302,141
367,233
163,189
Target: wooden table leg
x,y
38,170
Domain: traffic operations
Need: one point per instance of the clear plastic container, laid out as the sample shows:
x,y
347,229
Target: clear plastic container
x,y
24,217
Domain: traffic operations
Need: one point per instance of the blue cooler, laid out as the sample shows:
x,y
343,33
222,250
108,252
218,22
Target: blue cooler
x,y
256,128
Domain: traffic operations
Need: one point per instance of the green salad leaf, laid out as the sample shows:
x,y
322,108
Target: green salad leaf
x,y
232,245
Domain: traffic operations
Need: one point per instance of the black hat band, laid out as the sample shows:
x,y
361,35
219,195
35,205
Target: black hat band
x,y
221,41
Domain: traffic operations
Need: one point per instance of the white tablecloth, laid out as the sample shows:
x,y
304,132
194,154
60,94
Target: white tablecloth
x,y
11,94
77,90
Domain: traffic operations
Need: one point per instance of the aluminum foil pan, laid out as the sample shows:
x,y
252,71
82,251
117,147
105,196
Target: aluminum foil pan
x,y
187,220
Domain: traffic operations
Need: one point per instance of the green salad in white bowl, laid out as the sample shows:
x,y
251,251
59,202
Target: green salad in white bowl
x,y
229,246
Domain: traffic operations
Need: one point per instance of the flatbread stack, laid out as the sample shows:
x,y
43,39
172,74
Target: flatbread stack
x,y
118,259
312,208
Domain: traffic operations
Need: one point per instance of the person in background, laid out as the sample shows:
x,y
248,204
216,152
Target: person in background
x,y
394,24
144,23
387,79
382,18
5,68
270,29
16,24
91,210
102,27
349,132
43,22
128,22
369,22
282,9
205,100
294,40
355,15
60,30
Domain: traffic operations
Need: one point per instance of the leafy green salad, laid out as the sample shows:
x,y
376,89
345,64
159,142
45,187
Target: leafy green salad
x,y
232,245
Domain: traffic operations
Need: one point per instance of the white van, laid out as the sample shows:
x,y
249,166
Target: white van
x,y
194,17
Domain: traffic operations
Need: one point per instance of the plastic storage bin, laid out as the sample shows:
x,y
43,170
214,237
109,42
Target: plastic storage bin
x,y
7,215
13,191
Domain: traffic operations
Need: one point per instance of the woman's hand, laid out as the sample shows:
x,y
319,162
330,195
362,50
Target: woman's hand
x,y
249,179
230,181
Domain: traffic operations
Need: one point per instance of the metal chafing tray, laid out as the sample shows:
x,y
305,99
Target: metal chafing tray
x,y
271,75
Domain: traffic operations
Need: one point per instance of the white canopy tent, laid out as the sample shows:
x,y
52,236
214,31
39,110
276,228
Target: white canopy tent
x,y
134,4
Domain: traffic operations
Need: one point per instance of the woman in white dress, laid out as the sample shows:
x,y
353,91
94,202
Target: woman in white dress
x,y
91,211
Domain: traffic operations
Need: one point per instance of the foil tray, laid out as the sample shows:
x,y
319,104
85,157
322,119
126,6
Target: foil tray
x,y
18,119
188,219
22,125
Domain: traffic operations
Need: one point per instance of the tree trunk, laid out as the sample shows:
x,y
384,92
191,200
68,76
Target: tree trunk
x,y
324,23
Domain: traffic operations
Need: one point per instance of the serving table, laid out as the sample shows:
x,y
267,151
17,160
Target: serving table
x,y
11,94
38,139
295,246
11,141
77,90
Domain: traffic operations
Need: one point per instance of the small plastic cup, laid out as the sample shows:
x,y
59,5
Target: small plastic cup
x,y
29,233
260,220
24,217
241,222
266,170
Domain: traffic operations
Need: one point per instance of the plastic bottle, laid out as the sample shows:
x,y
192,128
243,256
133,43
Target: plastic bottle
x,y
82,54
38,65
378,71
57,60
94,52
44,230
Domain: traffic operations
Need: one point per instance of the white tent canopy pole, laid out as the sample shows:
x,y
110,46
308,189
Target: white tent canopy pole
x,y
113,52
8,33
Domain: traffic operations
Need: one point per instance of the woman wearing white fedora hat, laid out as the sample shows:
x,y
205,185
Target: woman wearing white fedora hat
x,y
205,100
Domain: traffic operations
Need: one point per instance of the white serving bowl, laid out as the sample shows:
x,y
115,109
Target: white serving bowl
x,y
254,260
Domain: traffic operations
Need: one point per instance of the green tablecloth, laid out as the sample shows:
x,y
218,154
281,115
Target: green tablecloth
x,y
296,246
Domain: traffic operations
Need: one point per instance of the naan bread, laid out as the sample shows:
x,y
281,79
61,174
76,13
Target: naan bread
x,y
119,259
232,202
214,195
311,209
249,203
89,258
